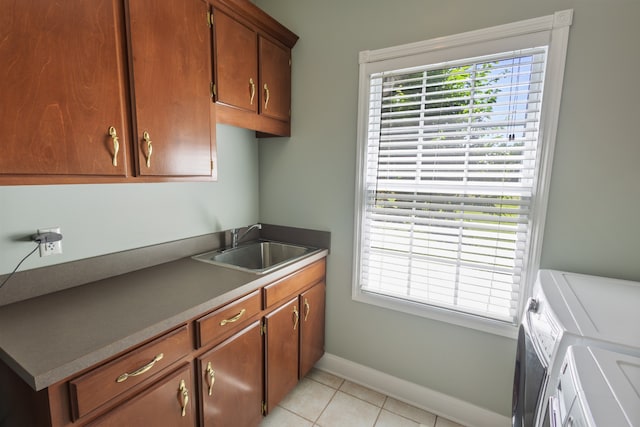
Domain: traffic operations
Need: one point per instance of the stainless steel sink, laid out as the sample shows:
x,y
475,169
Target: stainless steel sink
x,y
257,257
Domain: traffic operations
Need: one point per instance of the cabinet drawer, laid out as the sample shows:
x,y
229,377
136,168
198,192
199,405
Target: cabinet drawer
x,y
294,283
98,386
227,317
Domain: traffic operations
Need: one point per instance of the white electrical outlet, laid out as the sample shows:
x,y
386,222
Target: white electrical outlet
x,y
50,248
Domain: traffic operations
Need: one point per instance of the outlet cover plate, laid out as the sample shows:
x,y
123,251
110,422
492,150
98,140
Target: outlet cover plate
x,y
50,248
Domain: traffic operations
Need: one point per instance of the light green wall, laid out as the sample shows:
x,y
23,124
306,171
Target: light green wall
x,y
308,180
106,218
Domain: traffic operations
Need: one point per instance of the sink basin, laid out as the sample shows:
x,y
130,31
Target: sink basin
x,y
257,257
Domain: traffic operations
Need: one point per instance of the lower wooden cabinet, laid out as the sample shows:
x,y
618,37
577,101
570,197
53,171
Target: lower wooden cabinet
x,y
312,303
170,402
231,377
197,374
294,342
281,352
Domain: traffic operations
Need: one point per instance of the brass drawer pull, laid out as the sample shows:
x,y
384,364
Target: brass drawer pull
x,y
141,370
184,397
147,139
116,144
211,377
266,96
234,318
307,309
296,317
253,90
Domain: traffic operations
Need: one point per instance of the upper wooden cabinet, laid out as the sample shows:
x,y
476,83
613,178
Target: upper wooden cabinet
x,y
236,63
275,80
104,90
63,85
170,44
252,68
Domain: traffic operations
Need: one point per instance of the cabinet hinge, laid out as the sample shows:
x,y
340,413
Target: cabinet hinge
x,y
212,90
209,19
264,408
263,328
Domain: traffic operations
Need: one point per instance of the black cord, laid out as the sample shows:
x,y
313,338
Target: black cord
x,y
18,266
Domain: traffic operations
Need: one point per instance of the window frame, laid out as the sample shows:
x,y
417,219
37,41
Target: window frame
x,y
552,31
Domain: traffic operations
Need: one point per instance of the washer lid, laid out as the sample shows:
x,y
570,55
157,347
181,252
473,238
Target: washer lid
x,y
608,385
601,308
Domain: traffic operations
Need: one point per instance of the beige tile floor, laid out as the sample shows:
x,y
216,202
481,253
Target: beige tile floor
x,y
324,400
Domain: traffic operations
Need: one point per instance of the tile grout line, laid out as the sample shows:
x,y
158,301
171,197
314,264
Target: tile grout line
x,y
381,407
339,389
335,391
353,395
380,410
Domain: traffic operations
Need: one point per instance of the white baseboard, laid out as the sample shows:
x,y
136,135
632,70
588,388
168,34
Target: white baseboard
x,y
432,401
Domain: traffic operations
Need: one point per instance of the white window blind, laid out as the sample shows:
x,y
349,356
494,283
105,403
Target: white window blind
x,y
451,165
455,146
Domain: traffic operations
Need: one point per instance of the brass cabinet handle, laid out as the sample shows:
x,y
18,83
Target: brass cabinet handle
x,y
116,144
253,90
234,318
211,377
141,370
184,397
147,139
307,309
296,317
266,96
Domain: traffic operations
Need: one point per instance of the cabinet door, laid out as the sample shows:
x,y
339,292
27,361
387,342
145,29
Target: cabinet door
x,y
62,83
236,63
311,327
275,80
231,380
282,352
168,403
170,47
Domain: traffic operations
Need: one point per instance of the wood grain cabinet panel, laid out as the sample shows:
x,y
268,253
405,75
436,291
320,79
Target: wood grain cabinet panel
x,y
236,62
281,352
63,86
228,318
170,47
170,402
294,283
312,308
294,331
275,80
252,68
102,384
106,91
231,376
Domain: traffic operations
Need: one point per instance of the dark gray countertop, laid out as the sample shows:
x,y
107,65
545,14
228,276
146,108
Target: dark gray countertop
x,y
51,337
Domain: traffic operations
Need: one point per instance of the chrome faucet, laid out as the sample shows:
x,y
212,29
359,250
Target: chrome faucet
x,y
235,232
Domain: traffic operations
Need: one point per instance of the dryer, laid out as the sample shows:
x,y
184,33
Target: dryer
x,y
596,387
569,309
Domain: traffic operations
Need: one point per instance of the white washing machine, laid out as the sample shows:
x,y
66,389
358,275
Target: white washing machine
x,y
569,309
596,387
